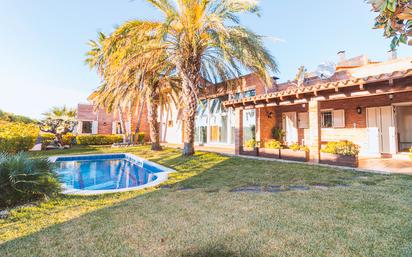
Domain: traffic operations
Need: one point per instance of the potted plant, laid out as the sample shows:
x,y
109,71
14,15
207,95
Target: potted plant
x,y
250,148
342,153
295,152
270,149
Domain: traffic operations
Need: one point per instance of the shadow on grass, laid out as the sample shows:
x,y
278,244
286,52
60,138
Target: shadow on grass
x,y
94,229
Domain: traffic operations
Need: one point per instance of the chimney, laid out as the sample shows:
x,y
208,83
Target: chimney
x,y
342,56
392,55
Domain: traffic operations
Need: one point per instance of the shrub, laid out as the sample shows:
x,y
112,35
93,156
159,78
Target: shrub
x,y
343,148
46,139
17,137
278,134
23,179
273,144
251,143
98,139
69,139
140,137
297,147
410,150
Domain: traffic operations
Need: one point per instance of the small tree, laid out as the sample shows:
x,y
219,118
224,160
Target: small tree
x,y
59,121
395,18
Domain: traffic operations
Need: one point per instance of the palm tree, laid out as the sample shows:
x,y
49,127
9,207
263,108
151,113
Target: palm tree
x,y
147,77
202,39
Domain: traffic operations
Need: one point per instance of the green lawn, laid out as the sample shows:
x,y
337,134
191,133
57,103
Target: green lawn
x,y
199,215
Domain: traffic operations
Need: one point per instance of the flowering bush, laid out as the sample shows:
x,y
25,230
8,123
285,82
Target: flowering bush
x,y
17,137
98,139
251,143
297,147
343,148
69,139
273,144
46,139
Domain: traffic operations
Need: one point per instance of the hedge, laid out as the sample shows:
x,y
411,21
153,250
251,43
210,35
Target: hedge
x,y
17,137
46,139
69,139
98,139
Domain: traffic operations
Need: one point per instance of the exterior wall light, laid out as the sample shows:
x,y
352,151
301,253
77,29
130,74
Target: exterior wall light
x,y
270,115
391,97
359,110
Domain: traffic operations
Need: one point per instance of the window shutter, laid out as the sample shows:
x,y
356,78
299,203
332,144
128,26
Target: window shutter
x,y
114,132
303,120
79,127
94,127
338,118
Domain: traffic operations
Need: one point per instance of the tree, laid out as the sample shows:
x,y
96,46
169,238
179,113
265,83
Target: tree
x,y
395,18
147,77
59,121
204,40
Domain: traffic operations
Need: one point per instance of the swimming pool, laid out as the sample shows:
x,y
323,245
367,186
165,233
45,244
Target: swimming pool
x,y
107,173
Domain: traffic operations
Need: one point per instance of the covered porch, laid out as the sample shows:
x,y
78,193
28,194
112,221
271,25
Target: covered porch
x,y
374,112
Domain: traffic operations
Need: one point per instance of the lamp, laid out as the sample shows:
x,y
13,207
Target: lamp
x,y
359,110
390,96
270,115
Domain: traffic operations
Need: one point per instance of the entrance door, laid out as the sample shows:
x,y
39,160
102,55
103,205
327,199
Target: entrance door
x,y
381,130
290,127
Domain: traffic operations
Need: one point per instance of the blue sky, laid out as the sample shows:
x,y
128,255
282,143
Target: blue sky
x,y
43,42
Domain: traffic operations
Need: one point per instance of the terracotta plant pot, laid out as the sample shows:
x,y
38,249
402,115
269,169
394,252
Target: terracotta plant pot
x,y
339,160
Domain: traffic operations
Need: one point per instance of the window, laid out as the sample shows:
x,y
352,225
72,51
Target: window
x,y
333,119
303,120
327,119
245,94
249,125
117,128
87,127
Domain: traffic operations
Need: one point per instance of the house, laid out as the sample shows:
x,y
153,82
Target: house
x,y
366,102
97,121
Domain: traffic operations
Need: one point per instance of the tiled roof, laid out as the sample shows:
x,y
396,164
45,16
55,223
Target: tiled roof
x,y
324,86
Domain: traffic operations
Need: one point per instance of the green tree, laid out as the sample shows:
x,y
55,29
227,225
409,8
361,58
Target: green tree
x,y
204,40
59,121
147,77
395,18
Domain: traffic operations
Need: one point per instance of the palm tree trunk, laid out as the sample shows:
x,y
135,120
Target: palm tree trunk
x,y
166,123
139,118
189,115
153,105
122,125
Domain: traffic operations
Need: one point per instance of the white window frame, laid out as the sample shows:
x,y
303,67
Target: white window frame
x,y
334,113
81,127
303,120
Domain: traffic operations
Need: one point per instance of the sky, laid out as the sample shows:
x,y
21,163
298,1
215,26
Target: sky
x,y
43,42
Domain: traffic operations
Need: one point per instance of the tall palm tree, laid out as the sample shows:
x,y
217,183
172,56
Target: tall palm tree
x,y
202,39
148,77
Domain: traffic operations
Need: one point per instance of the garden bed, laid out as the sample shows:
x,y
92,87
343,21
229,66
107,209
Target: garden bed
x,y
249,151
269,153
292,155
339,160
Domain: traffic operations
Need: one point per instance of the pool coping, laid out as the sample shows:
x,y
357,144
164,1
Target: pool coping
x,y
161,176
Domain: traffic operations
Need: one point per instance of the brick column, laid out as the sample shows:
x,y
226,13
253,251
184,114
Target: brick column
x,y
314,130
258,124
238,130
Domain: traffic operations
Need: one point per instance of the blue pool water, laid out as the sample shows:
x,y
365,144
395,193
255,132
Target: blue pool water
x,y
104,172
